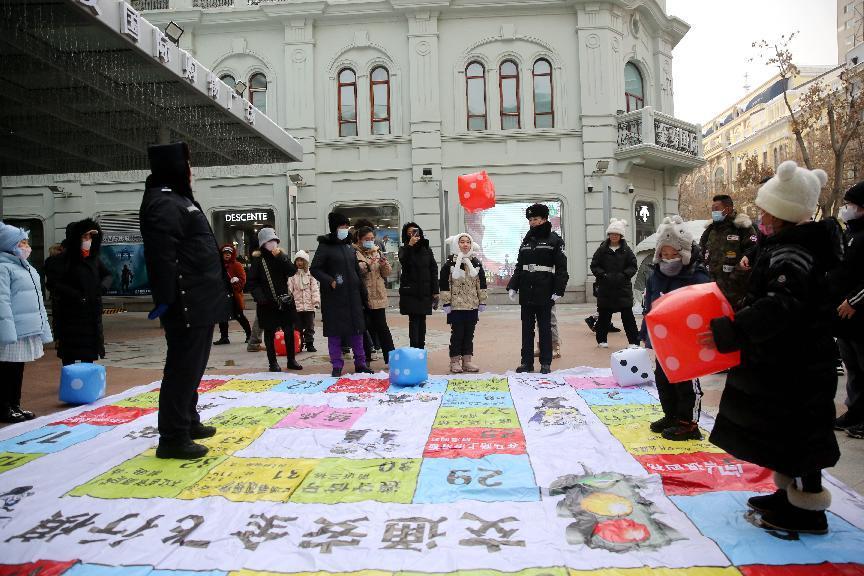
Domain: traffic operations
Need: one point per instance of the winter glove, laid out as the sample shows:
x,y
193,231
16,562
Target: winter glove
x,y
555,297
234,280
435,301
447,309
512,295
482,308
157,311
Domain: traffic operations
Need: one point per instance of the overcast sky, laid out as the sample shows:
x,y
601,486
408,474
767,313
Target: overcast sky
x,y
710,62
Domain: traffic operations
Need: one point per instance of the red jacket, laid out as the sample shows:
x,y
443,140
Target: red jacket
x,y
235,269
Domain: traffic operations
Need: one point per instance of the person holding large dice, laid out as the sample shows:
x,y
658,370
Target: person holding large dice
x,y
777,409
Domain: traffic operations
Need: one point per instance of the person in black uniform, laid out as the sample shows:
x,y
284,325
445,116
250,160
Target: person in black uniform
x,y
539,278
190,291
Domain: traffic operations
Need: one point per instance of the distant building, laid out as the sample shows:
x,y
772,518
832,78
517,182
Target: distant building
x,y
850,27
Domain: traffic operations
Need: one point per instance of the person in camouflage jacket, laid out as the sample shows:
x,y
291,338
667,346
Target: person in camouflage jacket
x,y
724,242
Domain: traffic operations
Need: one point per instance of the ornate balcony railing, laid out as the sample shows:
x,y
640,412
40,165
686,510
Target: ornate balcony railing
x,y
205,4
647,126
150,4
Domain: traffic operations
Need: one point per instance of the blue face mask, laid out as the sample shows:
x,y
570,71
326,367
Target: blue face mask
x,y
342,233
717,216
368,244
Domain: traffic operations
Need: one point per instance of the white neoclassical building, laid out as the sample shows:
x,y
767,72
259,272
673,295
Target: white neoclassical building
x,y
564,102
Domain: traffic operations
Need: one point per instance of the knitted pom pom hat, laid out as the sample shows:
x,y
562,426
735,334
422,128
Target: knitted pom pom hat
x,y
793,193
617,226
672,232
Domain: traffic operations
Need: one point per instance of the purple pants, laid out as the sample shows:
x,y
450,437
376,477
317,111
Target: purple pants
x,y
334,346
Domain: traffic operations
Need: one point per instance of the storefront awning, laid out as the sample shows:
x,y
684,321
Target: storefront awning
x,y
87,85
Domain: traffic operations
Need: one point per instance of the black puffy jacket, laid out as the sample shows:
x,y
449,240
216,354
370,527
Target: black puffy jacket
x,y
614,270
777,409
341,307
182,257
847,282
418,277
76,284
280,268
540,247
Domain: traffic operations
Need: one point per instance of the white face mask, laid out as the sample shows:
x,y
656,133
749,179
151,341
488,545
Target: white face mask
x,y
85,244
671,267
271,245
342,233
850,212
24,252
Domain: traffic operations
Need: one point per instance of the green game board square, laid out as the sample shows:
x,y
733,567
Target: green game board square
x,y
485,385
12,460
145,400
249,417
476,418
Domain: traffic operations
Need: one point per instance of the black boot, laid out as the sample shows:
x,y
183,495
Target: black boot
x,y
681,431
769,502
292,364
790,518
28,415
362,369
659,425
202,431
10,416
274,368
221,341
522,368
336,372
545,369
187,450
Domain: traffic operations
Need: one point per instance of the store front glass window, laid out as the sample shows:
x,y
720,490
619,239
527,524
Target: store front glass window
x,y
644,217
388,230
240,229
36,234
499,232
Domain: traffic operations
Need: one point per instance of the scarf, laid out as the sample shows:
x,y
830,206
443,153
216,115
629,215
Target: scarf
x,y
466,260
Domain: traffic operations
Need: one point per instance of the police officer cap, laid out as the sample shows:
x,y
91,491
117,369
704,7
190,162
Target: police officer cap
x,y
537,210
855,194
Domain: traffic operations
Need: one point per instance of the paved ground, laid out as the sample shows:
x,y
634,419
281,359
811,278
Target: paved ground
x,y
135,352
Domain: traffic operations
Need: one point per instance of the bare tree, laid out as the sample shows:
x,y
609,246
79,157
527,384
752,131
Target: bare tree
x,y
825,117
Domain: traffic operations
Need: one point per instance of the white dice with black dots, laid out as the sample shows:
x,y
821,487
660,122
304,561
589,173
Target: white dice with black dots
x,y
632,367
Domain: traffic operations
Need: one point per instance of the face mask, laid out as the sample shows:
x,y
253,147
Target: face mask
x,y
342,233
717,216
671,267
85,244
24,253
368,244
766,229
849,213
271,245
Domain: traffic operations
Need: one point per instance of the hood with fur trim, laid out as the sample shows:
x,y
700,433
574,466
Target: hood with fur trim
x,y
230,249
453,244
74,231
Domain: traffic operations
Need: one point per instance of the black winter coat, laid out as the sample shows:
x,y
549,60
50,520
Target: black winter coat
x,y
614,270
183,261
541,247
270,316
418,278
777,409
847,283
341,307
76,284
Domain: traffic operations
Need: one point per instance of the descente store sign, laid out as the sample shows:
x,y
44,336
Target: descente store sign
x,y
247,217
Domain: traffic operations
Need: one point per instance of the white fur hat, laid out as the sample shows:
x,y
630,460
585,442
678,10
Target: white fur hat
x,y
672,232
793,193
302,254
453,243
617,226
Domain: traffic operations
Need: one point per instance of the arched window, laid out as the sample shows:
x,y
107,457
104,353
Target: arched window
x,y
475,95
508,84
719,176
258,91
634,92
544,106
229,80
347,102
379,93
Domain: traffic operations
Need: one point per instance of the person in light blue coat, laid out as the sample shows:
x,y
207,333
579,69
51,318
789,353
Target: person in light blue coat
x,y
24,326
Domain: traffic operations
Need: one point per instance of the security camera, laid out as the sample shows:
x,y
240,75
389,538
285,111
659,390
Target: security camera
x,y
630,188
590,188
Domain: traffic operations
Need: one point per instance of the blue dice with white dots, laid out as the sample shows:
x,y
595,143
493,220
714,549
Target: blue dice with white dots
x,y
408,366
82,383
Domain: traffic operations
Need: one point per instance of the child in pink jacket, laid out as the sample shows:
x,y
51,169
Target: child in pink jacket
x,y
307,297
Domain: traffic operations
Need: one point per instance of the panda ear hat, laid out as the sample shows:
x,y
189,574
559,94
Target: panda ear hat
x,y
672,232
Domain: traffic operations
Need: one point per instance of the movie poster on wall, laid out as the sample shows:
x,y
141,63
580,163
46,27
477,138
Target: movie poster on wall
x,y
123,255
499,232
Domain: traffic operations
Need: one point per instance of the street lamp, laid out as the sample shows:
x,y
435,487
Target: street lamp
x,y
173,32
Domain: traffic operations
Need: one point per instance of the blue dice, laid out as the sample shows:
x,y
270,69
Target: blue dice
x,y
82,383
408,367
